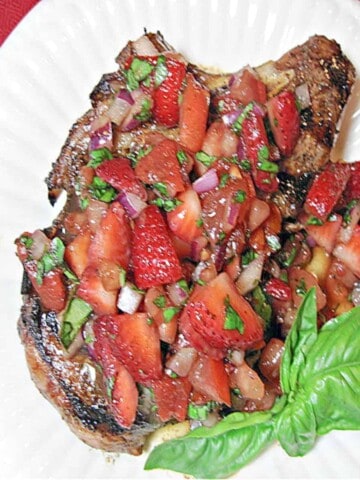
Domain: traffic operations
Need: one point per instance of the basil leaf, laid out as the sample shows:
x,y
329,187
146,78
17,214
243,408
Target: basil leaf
x,y
161,71
232,448
98,156
74,318
301,338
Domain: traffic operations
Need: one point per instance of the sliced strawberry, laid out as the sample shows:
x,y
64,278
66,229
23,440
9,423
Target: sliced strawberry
x,y
124,396
113,238
76,252
254,146
91,289
184,220
137,346
171,397
166,95
300,282
51,290
209,310
162,311
120,175
220,140
284,121
208,377
154,258
353,186
326,190
247,87
194,111
324,235
349,253
278,289
161,165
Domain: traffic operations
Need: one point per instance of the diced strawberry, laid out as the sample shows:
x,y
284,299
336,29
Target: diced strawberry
x,y
326,190
336,291
353,185
208,377
278,289
183,249
324,235
91,289
208,312
120,175
300,282
194,111
184,220
134,341
156,302
284,121
171,397
246,87
113,238
220,140
161,165
76,252
166,95
51,290
154,258
124,397
254,146
349,253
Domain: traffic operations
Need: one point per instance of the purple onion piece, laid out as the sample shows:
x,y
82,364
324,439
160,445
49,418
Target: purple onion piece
x,y
125,95
102,137
133,205
206,182
230,117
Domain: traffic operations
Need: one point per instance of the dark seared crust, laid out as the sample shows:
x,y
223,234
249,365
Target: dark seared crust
x,y
330,76
73,385
66,382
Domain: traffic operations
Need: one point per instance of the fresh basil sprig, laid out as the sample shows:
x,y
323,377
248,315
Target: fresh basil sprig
x,y
319,375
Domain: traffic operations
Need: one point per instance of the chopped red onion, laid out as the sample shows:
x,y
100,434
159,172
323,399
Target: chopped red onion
x,y
131,121
241,148
311,241
229,118
144,47
177,293
120,107
303,95
182,361
259,212
88,335
196,247
129,298
132,204
251,275
206,182
40,244
102,137
125,95
234,210
259,110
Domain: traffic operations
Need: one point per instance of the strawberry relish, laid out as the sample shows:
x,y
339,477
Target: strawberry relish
x,y
176,264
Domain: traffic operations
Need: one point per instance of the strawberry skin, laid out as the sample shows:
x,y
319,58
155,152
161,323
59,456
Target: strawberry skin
x,y
183,220
154,258
326,190
353,186
93,292
120,175
166,95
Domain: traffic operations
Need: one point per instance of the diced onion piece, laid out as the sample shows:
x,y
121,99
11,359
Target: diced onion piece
x,y
144,47
177,293
259,212
132,204
132,120
129,298
120,107
102,137
40,244
303,96
270,359
346,231
237,357
197,246
182,361
230,117
88,335
251,275
206,182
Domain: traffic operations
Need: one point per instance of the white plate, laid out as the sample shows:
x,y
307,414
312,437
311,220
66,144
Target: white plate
x,y
48,67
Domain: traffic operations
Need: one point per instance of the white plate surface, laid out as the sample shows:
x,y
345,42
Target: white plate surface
x,y
48,67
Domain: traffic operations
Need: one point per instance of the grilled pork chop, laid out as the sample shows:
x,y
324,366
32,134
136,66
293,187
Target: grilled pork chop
x,y
72,381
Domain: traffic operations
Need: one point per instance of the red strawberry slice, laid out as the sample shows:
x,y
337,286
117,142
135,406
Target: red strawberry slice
x,y
278,289
113,238
120,175
194,111
161,165
326,190
76,252
220,140
154,258
91,289
171,397
349,253
166,95
52,290
254,146
353,186
324,235
284,121
184,220
246,87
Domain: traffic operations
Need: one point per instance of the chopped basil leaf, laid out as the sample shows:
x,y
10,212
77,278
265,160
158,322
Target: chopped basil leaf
x,y
101,190
110,382
135,157
161,71
84,203
222,236
54,257
98,156
182,157
122,276
149,320
349,207
161,188
314,221
265,165
233,320
136,289
263,153
301,288
248,257
245,165
131,82
261,305
223,180
74,318
26,241
139,70
145,112
168,204
273,242
199,412
240,196
205,159
169,313
160,301
290,258
199,222
70,275
237,125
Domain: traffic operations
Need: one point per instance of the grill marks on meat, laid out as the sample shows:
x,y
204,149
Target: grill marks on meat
x,y
329,75
66,382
